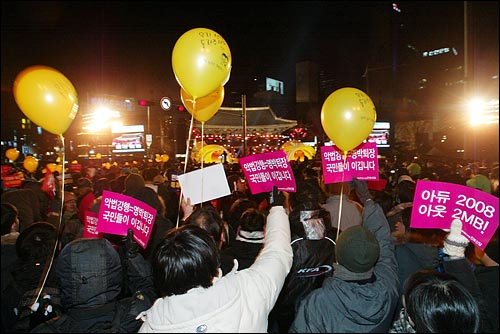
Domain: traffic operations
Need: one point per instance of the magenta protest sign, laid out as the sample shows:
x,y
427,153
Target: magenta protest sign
x,y
263,171
119,212
361,162
90,225
436,204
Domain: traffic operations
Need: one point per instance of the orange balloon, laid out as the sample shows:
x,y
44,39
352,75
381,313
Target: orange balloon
x,y
12,154
30,163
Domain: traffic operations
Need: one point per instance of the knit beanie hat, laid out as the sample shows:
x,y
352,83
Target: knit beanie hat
x,y
133,183
357,249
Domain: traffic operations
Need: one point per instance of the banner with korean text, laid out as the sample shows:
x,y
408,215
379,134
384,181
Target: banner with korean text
x,y
119,212
361,162
11,178
264,171
90,225
436,204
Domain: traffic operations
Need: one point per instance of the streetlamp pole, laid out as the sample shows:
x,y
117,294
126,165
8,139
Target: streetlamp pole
x,y
149,129
244,121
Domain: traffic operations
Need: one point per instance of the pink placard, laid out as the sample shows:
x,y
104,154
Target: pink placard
x,y
436,204
263,171
361,162
90,225
119,212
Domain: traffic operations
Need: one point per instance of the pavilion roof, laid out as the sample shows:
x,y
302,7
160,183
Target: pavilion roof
x,y
229,120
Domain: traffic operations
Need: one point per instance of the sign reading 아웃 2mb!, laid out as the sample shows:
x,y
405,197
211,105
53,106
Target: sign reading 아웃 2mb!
x,y
437,204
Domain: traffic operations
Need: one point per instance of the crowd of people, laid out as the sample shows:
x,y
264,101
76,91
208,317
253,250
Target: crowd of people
x,y
274,262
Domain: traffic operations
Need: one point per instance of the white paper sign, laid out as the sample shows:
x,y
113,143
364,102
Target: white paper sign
x,y
204,184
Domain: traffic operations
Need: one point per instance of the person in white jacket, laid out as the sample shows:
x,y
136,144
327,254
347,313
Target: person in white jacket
x,y
196,298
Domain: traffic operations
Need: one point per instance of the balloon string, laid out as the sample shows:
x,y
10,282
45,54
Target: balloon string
x,y
341,195
202,159
49,263
185,167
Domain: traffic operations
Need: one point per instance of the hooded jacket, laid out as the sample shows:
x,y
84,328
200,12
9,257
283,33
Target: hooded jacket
x,y
342,305
237,302
90,274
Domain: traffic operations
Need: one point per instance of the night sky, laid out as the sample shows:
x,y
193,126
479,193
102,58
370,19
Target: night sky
x,y
124,48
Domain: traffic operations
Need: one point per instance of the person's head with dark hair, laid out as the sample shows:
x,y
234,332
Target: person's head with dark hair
x,y
405,191
187,257
308,193
237,208
307,207
100,185
400,224
438,303
36,242
149,174
237,182
209,219
383,198
10,218
151,198
253,220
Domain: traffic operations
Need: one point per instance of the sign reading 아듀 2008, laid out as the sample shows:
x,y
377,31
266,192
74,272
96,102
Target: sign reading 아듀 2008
x,y
437,204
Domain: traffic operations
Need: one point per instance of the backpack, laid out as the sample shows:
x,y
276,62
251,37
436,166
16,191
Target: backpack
x,y
312,264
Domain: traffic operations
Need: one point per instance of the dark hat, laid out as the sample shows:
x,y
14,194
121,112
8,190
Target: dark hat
x,y
357,249
83,182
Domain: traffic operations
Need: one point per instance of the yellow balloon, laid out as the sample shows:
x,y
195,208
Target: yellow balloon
x,y
30,163
204,107
12,154
98,156
201,61
46,97
348,116
164,157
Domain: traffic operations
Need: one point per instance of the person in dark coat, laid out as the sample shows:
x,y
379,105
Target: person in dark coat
x,y
10,233
249,241
161,224
362,294
35,248
313,258
90,275
464,304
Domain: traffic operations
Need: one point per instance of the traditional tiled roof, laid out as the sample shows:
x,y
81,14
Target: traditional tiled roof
x,y
229,120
